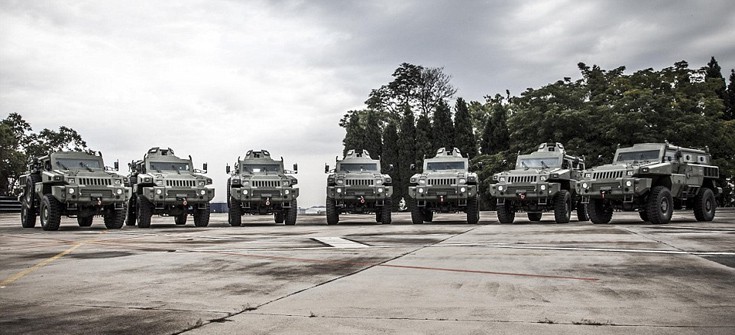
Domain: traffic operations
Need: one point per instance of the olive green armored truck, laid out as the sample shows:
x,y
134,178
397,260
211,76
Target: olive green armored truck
x,y
259,185
74,184
357,186
544,180
445,185
652,179
164,184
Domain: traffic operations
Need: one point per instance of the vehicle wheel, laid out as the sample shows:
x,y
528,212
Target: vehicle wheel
x,y
705,205
50,213
643,214
234,214
379,215
180,219
85,221
132,215
201,216
660,206
600,211
228,192
278,217
417,215
114,218
385,217
473,213
332,213
506,213
563,207
28,205
428,215
535,217
678,204
144,212
292,213
582,214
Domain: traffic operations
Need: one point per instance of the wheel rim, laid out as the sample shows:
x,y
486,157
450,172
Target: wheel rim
x,y
664,205
708,205
44,215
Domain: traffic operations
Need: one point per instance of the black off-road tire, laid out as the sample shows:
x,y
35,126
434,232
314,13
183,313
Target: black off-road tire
x,y
385,216
473,212
705,205
643,214
582,214
332,213
292,213
180,219
85,221
50,213
28,209
506,213
234,213
600,211
131,216
114,218
279,216
660,206
201,216
27,217
535,217
144,212
378,215
563,207
428,215
417,214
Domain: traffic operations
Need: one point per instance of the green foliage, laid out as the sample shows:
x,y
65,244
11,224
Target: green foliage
x,y
486,165
391,156
464,136
418,87
406,151
354,133
424,146
730,98
442,127
372,140
495,137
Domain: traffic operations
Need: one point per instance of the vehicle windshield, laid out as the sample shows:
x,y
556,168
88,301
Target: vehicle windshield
x,y
257,168
434,166
349,167
170,166
638,156
539,163
75,163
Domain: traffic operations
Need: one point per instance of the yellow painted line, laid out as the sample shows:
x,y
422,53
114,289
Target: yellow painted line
x,y
41,264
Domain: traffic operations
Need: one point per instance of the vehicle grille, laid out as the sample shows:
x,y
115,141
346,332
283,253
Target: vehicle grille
x,y
266,183
443,181
608,175
359,182
87,192
711,172
522,179
181,183
95,181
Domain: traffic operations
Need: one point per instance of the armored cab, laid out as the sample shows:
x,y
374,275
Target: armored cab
x,y
72,184
260,185
445,185
544,180
164,184
652,179
357,186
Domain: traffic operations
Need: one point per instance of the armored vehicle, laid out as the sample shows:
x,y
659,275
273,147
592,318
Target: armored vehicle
x,y
652,179
544,180
260,185
444,186
357,186
164,184
72,184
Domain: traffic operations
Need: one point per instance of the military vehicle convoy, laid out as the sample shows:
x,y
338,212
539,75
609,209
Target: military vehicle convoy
x,y
164,184
544,180
652,179
444,186
357,186
72,184
260,185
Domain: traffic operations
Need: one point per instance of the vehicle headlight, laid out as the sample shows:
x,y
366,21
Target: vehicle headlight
x,y
628,183
422,181
501,179
380,190
462,189
543,178
235,181
543,187
285,183
421,190
147,179
201,183
70,180
119,191
245,192
629,172
118,182
462,181
339,190
159,191
585,186
500,187
246,183
286,192
340,181
159,182
588,175
202,192
71,191
378,182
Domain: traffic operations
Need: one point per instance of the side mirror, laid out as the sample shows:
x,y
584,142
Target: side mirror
x,y
227,168
204,167
390,167
412,167
295,168
117,165
326,168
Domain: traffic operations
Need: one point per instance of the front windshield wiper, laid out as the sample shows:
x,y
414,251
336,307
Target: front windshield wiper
x,y
85,166
175,169
524,165
544,165
62,165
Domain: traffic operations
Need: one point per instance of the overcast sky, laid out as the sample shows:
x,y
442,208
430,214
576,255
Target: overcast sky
x,y
213,79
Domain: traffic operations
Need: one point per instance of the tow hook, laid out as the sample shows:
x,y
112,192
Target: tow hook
x,y
441,198
362,200
99,202
268,201
185,202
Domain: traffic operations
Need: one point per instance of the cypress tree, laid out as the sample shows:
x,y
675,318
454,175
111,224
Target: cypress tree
x,y
424,145
372,133
354,134
442,127
730,98
495,136
464,135
406,153
390,156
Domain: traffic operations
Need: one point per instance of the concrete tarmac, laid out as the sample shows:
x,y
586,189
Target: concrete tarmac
x,y
359,277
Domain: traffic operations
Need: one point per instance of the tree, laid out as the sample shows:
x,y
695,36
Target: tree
x,y
463,132
415,86
442,127
354,133
372,140
391,156
424,145
406,152
730,98
495,136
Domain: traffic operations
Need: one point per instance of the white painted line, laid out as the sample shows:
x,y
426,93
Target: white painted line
x,y
643,251
338,242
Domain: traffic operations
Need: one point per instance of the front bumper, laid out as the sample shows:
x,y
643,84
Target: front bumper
x,y
103,195
538,192
271,195
623,189
442,193
177,195
348,193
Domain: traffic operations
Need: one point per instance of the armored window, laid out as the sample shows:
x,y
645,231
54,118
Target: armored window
x,y
638,156
357,167
260,168
435,166
539,163
170,166
71,163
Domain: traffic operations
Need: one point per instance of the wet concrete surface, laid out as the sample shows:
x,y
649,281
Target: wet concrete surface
x,y
628,277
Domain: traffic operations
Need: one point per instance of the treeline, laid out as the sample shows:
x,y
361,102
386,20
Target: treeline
x,y
416,113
